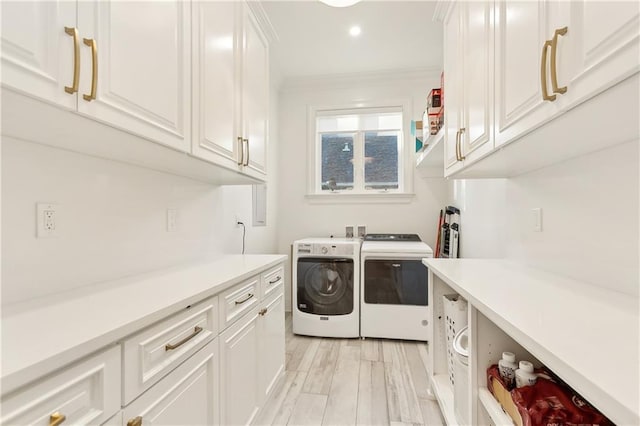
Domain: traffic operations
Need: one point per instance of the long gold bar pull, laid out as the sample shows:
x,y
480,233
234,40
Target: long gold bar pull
x,y
56,418
170,347
73,32
458,145
543,73
462,130
246,163
554,68
136,421
94,63
241,153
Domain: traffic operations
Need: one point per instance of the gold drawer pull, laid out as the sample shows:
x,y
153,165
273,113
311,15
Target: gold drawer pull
x,y
56,418
170,347
543,73
136,421
262,311
240,302
554,54
278,278
246,141
94,74
76,60
240,152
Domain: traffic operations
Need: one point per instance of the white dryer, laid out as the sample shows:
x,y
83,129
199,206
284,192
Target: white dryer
x,y
395,287
326,287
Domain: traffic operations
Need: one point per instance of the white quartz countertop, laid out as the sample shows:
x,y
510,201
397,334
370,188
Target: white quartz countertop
x,y
586,334
44,334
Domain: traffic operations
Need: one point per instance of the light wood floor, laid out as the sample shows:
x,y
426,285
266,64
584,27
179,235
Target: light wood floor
x,y
351,381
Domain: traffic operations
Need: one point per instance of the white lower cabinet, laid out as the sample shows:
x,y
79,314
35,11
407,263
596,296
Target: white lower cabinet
x,y
239,382
271,343
187,396
87,393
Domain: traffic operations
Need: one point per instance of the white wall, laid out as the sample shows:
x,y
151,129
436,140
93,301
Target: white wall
x,y
298,217
111,220
589,213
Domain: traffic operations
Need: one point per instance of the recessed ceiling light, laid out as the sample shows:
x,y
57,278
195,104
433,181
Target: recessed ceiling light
x,y
340,3
355,31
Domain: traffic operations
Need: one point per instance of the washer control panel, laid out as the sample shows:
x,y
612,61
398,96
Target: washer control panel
x,y
326,249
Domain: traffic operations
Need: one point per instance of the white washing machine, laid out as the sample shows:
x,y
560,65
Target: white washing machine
x,y
326,287
395,287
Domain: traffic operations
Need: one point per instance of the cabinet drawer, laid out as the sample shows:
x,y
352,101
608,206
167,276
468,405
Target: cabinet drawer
x,y
271,280
187,396
156,351
88,392
238,300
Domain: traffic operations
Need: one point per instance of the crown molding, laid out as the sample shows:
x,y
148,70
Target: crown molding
x,y
442,10
375,78
263,21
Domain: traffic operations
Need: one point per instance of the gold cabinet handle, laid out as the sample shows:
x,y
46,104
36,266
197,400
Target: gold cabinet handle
x,y
56,418
246,141
240,302
543,73
240,152
136,421
73,32
458,145
462,157
94,64
275,280
262,312
170,347
554,69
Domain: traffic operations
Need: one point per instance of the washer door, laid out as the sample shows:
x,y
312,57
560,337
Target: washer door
x,y
325,286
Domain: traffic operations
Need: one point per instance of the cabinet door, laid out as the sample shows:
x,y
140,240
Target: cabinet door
x,y
452,93
37,54
522,27
239,380
272,342
255,93
216,100
143,63
601,46
187,396
477,31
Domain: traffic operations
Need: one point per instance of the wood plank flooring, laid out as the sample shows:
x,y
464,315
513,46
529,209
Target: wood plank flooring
x,y
351,382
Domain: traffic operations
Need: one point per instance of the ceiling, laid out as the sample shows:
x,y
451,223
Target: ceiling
x,y
314,38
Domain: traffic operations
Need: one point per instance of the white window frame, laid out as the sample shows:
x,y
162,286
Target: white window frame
x,y
403,194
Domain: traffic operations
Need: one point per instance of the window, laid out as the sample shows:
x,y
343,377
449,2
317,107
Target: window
x,y
359,151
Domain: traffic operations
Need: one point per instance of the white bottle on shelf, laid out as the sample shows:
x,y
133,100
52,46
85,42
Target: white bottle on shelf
x,y
525,375
507,367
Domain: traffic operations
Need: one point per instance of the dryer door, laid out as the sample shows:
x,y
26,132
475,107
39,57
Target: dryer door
x,y
325,286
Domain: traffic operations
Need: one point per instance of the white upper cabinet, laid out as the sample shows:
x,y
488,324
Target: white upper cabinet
x,y
600,47
453,67
516,70
523,93
37,53
141,80
230,87
255,93
468,81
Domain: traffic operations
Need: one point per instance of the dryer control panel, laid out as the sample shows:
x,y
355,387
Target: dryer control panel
x,y
326,249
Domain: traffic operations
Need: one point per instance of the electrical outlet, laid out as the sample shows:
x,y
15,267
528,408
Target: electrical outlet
x,y
47,220
537,219
172,220
238,221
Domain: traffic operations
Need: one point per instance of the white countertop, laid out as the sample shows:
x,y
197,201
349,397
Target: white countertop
x,y
588,335
44,334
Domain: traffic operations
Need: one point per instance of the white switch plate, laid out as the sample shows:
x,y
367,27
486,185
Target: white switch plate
x,y
537,219
172,220
46,220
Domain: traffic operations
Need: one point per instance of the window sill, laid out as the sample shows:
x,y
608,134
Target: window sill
x,y
346,198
